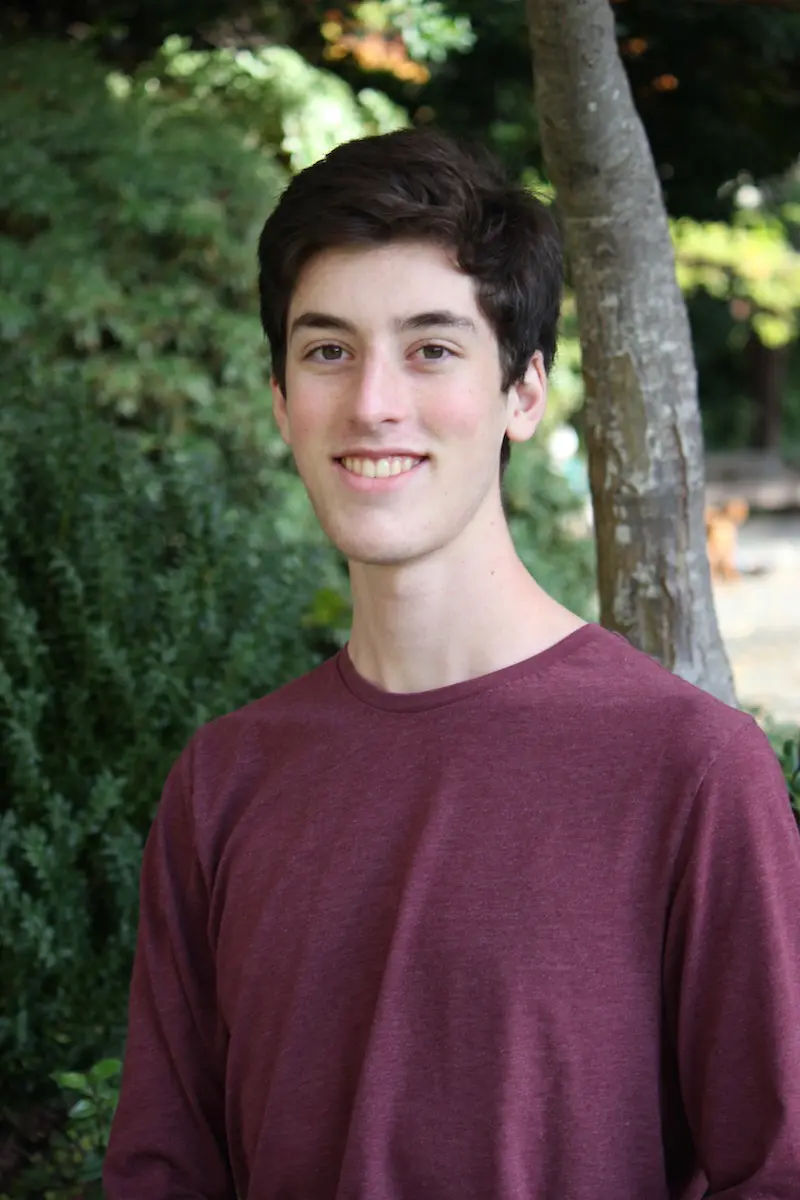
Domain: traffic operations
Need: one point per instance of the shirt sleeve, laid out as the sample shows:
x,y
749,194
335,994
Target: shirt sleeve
x,y
732,974
168,1134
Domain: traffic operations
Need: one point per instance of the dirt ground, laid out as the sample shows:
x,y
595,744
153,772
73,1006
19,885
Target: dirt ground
x,y
759,616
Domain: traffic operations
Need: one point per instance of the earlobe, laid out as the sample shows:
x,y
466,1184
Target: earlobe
x,y
279,410
527,401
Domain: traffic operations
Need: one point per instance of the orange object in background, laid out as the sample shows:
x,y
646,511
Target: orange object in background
x,y
722,532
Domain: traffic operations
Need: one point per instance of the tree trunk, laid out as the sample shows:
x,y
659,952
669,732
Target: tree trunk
x,y
642,417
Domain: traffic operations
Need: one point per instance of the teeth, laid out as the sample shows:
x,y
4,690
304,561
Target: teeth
x,y
380,468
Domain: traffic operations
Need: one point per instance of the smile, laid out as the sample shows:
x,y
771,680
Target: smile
x,y
380,468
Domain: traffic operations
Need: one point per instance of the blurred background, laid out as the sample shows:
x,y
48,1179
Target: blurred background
x,y
158,560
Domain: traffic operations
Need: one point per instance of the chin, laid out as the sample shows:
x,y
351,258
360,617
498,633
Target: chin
x,y
375,550
370,555
381,539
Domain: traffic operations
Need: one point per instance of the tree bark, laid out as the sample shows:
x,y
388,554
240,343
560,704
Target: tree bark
x,y
642,418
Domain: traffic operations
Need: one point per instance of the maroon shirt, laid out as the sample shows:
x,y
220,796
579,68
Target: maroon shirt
x,y
532,936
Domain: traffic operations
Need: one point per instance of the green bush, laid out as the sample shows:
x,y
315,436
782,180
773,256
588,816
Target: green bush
x,y
271,94
136,602
70,1165
786,744
546,519
127,235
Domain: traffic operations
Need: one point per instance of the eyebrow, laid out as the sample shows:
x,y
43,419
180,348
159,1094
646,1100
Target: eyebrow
x,y
436,319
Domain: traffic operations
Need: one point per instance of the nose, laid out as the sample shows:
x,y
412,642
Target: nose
x,y
378,391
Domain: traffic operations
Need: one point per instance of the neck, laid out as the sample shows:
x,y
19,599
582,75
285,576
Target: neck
x,y
466,612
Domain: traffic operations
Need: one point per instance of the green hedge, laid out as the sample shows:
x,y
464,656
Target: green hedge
x,y
127,235
136,601
786,744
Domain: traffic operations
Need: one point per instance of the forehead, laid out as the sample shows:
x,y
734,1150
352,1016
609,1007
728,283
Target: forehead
x,y
381,284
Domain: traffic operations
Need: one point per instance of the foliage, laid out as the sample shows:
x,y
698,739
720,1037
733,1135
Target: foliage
x,y
71,1165
724,72
397,36
137,600
427,28
126,250
548,506
271,94
546,516
750,264
786,744
742,282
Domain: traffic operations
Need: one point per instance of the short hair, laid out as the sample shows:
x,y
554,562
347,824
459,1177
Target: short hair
x,y
421,185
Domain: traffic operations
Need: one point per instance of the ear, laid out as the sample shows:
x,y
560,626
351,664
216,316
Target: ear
x,y
279,410
527,401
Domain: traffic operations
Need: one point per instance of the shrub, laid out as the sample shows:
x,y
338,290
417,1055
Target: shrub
x,y
136,602
70,1165
546,519
271,93
127,251
786,744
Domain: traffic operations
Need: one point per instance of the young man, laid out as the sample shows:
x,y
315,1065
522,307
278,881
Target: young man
x,y
490,906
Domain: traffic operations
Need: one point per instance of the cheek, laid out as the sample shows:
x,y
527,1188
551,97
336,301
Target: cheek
x,y
305,413
304,424
467,411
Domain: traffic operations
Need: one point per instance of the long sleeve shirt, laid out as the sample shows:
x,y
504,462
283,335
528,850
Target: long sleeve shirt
x,y
533,936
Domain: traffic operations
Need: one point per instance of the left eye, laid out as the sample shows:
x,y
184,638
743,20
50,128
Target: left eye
x,y
434,353
330,352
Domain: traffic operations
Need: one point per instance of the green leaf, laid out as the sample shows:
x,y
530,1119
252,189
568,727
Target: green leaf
x,y
72,1081
107,1068
83,1109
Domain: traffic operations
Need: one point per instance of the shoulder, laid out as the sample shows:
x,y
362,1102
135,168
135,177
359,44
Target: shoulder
x,y
662,754
291,711
636,713
222,769
636,691
226,758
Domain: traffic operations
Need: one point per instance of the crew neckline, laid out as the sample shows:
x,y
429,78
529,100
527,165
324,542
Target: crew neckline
x,y
451,693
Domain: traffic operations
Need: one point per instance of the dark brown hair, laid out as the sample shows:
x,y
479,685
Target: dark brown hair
x,y
420,185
